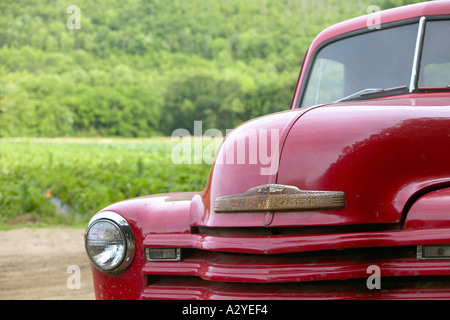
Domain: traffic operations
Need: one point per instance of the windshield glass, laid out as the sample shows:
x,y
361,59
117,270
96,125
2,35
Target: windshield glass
x,y
435,63
377,59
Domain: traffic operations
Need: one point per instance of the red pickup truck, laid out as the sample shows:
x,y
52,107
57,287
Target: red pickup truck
x,y
345,195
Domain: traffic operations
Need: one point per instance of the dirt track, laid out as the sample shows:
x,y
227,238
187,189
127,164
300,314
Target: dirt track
x,y
34,265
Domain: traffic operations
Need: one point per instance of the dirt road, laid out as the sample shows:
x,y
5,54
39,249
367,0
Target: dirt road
x,y
44,264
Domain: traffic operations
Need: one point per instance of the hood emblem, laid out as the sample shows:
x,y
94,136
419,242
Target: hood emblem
x,y
277,197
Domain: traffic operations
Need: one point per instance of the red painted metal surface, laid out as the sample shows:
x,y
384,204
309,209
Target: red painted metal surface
x,y
201,290
430,211
228,176
303,243
238,269
389,156
374,158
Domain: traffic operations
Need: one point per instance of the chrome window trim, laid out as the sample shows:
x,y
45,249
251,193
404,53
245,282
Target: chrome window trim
x,y
417,55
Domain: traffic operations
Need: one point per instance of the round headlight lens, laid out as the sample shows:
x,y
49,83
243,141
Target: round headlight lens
x,y
105,245
109,242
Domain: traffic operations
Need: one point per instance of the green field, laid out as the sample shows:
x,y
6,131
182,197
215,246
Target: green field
x,y
65,181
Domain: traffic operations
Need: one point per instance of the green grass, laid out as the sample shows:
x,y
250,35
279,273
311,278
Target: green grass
x,y
65,181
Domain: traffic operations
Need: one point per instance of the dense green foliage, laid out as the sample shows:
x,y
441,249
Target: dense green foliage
x,y
68,181
141,68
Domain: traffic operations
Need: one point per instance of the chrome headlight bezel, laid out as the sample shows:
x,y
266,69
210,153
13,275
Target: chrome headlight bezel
x,y
126,232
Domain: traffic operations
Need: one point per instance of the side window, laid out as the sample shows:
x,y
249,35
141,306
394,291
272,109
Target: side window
x,y
326,82
435,64
436,75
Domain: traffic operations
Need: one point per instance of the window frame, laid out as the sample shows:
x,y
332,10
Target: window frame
x,y
352,34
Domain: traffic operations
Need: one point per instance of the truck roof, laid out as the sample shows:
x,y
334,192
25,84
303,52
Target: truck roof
x,y
386,16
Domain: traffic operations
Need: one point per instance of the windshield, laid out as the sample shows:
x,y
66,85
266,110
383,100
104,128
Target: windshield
x,y
379,61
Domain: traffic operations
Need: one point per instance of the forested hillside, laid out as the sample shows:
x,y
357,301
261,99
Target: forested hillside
x,y
139,68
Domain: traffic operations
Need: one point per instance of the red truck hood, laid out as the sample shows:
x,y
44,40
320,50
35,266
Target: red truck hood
x,y
248,157
379,152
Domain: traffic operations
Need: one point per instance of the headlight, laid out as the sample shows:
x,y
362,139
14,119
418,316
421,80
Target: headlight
x,y
109,242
